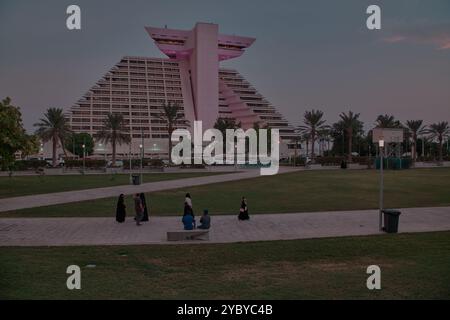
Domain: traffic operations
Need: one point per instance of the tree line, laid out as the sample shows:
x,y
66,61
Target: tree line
x,y
54,127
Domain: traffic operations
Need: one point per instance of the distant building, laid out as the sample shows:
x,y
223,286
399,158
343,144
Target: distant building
x,y
138,86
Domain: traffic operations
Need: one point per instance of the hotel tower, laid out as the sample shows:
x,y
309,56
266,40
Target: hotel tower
x,y
137,87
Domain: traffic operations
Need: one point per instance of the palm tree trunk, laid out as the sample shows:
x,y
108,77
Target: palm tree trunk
x,y
313,138
63,147
350,138
413,148
54,141
307,147
170,145
440,148
113,162
295,153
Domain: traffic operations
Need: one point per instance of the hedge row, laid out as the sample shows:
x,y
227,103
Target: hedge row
x,y
29,165
89,163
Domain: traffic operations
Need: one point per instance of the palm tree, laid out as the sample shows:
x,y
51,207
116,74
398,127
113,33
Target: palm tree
x,y
323,135
171,116
387,121
326,136
54,126
305,136
296,140
350,124
222,124
415,128
439,130
313,122
115,132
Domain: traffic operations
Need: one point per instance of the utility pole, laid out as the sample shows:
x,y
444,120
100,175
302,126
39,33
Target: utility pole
x,y
142,153
84,155
381,145
129,162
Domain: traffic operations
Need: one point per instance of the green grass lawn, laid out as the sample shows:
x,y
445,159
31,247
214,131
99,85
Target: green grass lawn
x,y
301,191
413,266
27,185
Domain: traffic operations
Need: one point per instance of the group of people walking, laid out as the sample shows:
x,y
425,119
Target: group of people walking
x,y
188,220
140,208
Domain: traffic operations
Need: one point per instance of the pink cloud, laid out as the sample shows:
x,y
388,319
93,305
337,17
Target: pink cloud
x,y
437,36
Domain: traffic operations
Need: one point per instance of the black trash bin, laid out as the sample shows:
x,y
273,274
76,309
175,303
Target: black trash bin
x,y
136,179
391,220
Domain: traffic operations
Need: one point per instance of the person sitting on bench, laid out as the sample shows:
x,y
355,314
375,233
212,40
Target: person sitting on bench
x,y
205,220
188,222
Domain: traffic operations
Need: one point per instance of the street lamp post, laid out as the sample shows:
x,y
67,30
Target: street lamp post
x,y
141,148
84,157
381,145
236,159
142,153
129,162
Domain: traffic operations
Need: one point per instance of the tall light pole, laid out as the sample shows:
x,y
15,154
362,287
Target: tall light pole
x,y
142,153
381,145
129,162
141,148
84,157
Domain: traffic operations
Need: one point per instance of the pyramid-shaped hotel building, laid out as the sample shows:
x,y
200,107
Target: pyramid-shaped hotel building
x,y
191,76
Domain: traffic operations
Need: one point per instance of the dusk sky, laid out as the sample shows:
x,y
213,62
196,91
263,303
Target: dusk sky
x,y
307,54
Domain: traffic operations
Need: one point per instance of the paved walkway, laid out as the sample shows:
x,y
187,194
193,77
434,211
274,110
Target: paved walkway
x,y
225,229
16,203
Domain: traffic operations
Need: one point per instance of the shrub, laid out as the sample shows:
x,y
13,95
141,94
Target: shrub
x,y
89,163
136,163
329,161
29,164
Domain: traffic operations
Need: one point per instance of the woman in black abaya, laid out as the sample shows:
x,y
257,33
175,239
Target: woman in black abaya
x,y
243,211
144,204
121,209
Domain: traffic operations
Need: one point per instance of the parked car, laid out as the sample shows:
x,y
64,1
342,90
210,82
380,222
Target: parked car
x,y
59,162
119,163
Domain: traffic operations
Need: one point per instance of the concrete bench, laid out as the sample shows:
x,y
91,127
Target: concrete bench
x,y
182,235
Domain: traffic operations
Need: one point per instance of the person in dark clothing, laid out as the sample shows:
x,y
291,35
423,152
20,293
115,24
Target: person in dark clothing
x,y
139,209
243,211
121,209
188,208
144,204
188,222
205,220
188,204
